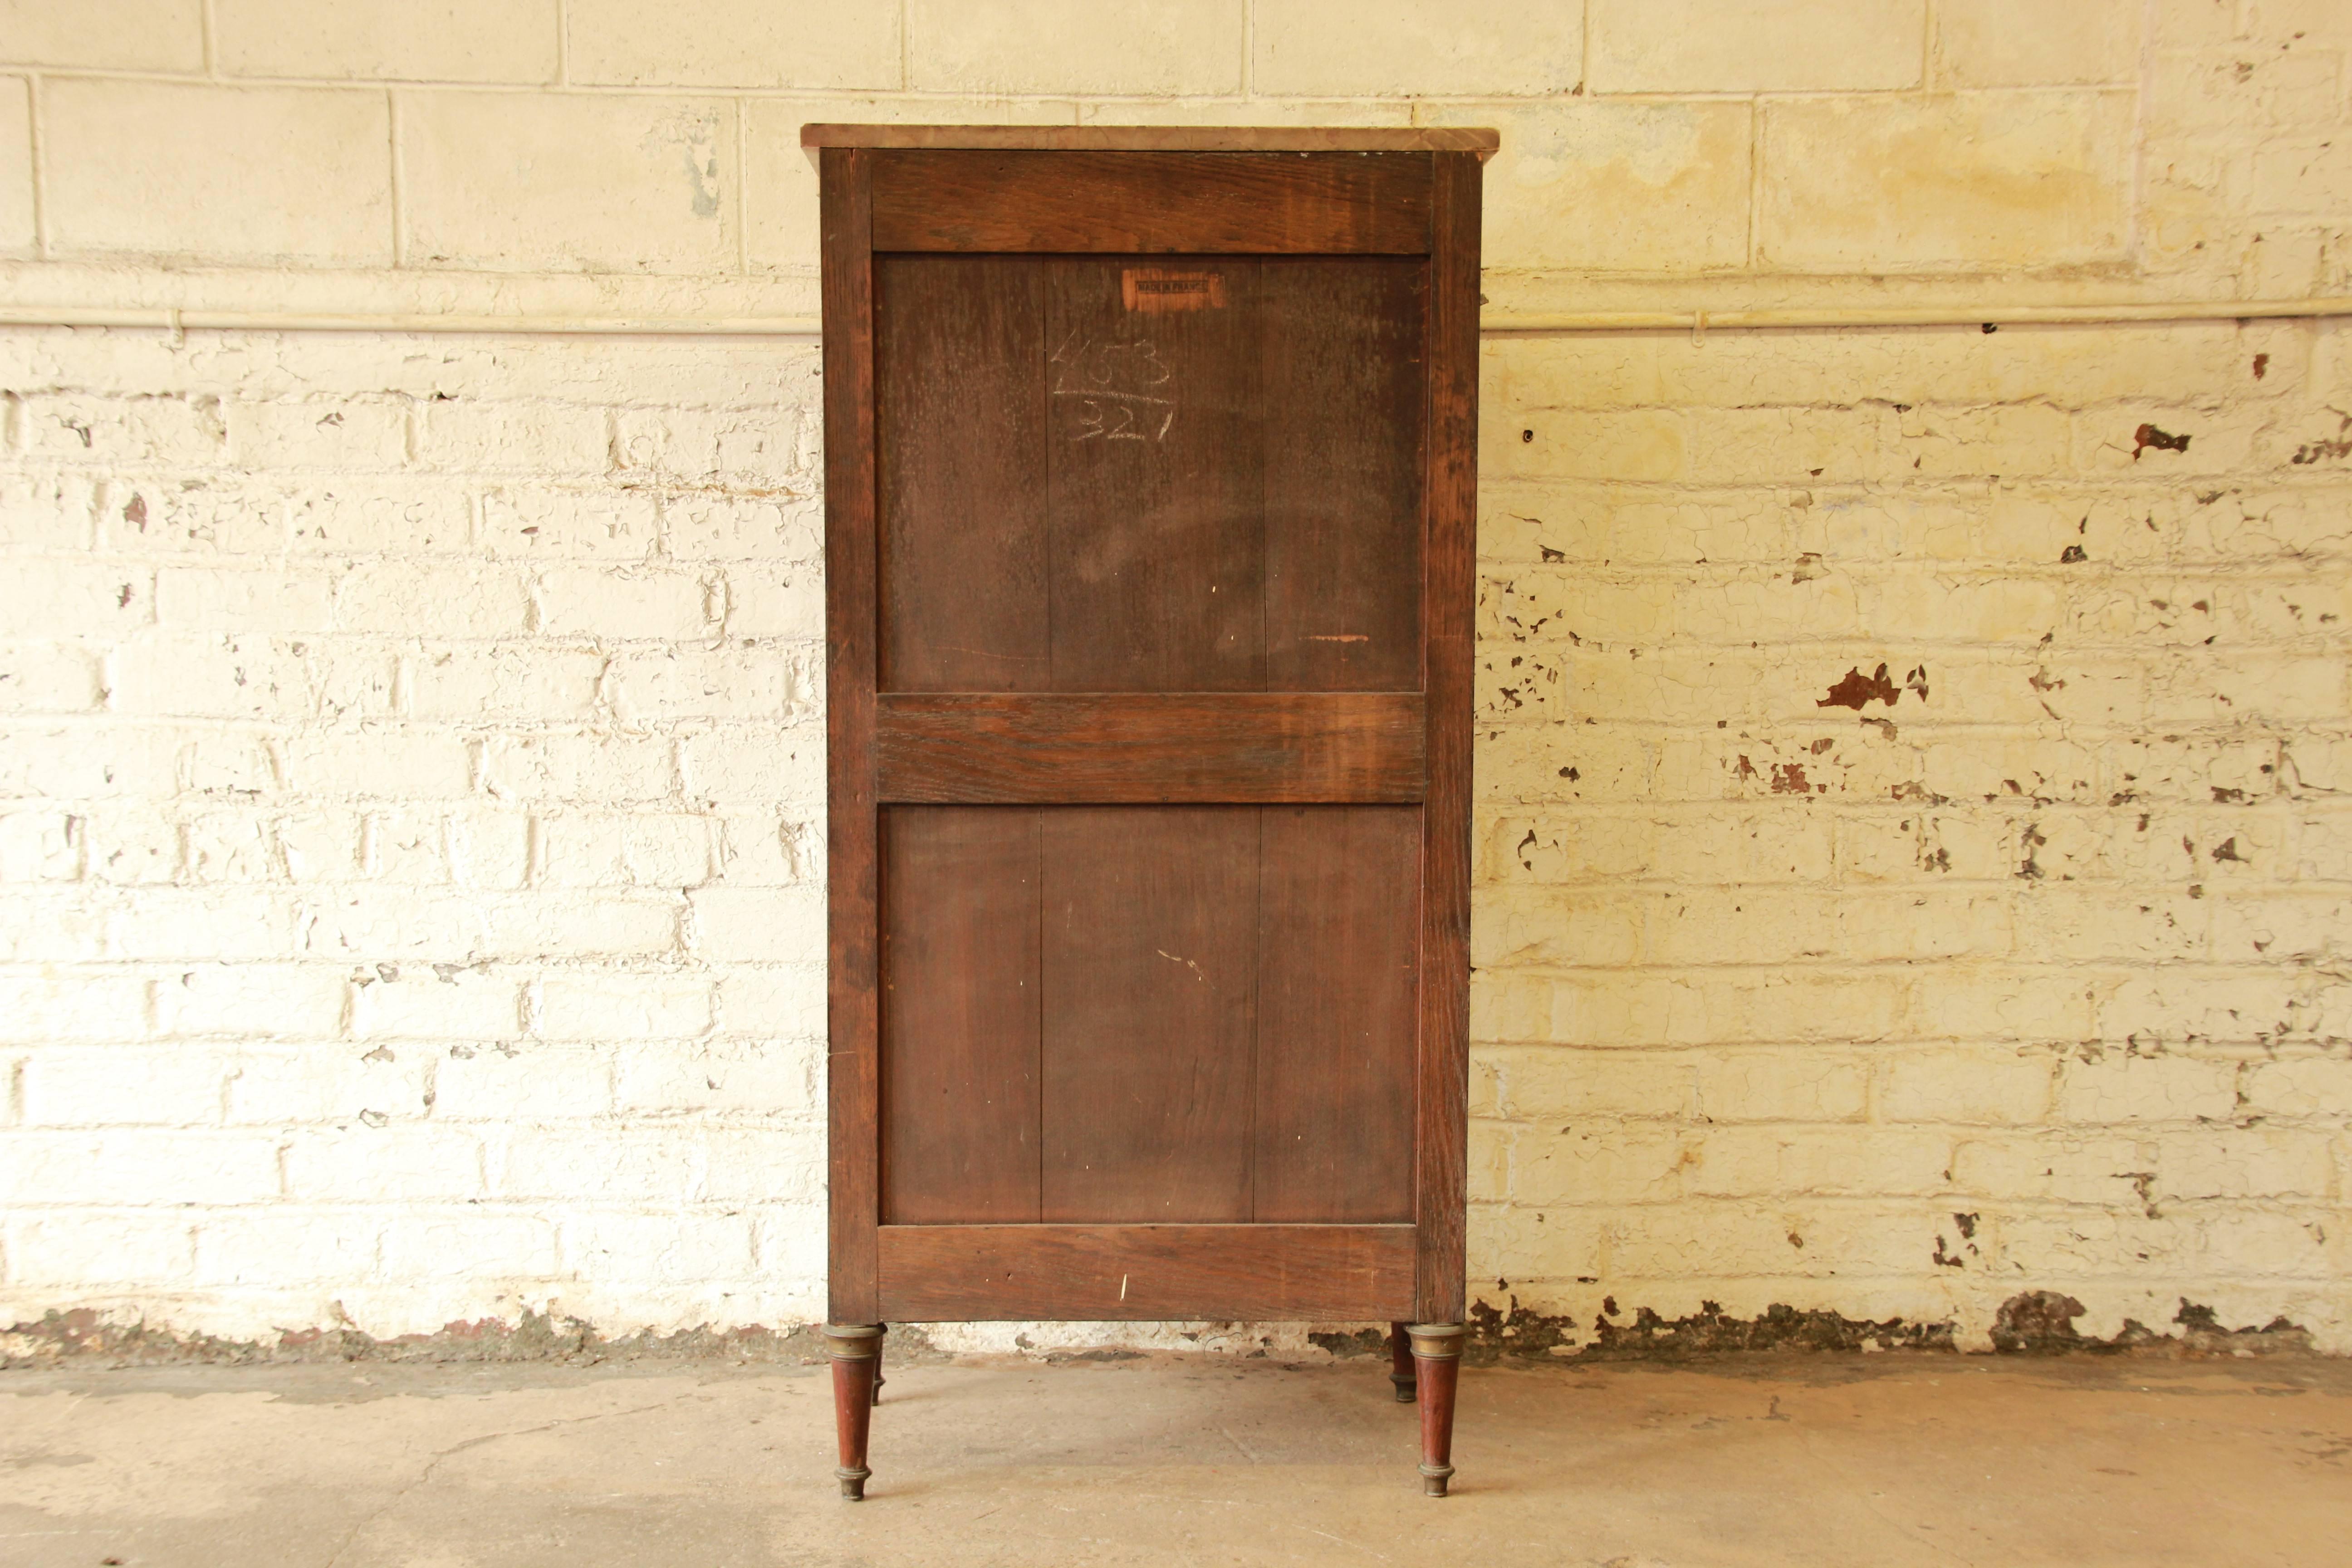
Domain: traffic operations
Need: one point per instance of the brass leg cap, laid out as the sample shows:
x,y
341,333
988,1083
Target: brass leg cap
x,y
853,1482
1433,1479
1405,1389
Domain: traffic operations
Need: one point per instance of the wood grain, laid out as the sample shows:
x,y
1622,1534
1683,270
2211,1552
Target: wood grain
x,y
852,853
1338,943
1155,489
1344,412
961,431
961,904
1150,1013
1448,603
1162,138
1146,1272
1195,203
1183,747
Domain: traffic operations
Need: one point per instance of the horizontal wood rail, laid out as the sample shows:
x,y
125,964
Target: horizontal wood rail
x,y
1195,203
980,1273
1361,748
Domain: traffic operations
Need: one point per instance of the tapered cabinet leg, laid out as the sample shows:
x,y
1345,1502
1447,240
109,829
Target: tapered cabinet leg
x,y
856,1361
1400,1363
1437,1358
879,1379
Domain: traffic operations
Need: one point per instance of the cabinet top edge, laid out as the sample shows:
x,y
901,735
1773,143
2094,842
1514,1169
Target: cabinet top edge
x,y
1160,138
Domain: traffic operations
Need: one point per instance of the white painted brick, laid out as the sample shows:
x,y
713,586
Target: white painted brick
x,y
1990,1084
608,770
539,524
620,1006
138,1166
417,1002
340,434
542,181
281,1245
408,598
129,848
759,1164
479,40
759,762
42,927
328,1083
634,604
468,1245
50,1005
2046,179
466,848
124,1085
758,681
412,515
1486,47
73,428
464,436
122,35
522,681
376,762
723,1077
76,1248
242,174
766,850
657,1248
402,1162
251,1001
202,598
1781,1085
240,676
735,43
1044,46
757,925
782,1003
38,846
643,850
654,1165
1774,45
2303,1086
732,528
533,1083
788,606
49,678
19,231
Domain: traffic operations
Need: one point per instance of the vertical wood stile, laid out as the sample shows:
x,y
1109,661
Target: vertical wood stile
x,y
852,854
1448,606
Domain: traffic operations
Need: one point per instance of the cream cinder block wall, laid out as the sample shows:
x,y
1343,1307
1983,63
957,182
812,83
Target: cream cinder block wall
x,y
1915,837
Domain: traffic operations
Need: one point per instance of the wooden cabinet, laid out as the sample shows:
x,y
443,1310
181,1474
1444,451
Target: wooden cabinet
x,y
1149,469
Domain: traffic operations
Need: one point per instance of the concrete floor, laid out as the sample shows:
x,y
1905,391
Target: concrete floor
x,y
1878,1460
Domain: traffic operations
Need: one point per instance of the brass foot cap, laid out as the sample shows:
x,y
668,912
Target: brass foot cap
x,y
853,1482
1433,1479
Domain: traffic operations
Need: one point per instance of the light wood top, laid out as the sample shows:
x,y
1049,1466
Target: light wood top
x,y
1162,138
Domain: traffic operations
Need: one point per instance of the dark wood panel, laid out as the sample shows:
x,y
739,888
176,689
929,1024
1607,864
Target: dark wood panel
x,y
852,872
961,379
1201,203
1150,1013
1148,747
1146,1272
1153,471
1448,574
1339,926
1345,412
1164,137
962,907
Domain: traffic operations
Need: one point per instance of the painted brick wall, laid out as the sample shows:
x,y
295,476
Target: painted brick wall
x,y
410,884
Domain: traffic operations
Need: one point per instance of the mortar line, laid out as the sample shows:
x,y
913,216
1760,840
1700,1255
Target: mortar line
x,y
742,188
906,45
2134,241
399,180
563,43
1927,47
211,29
34,110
